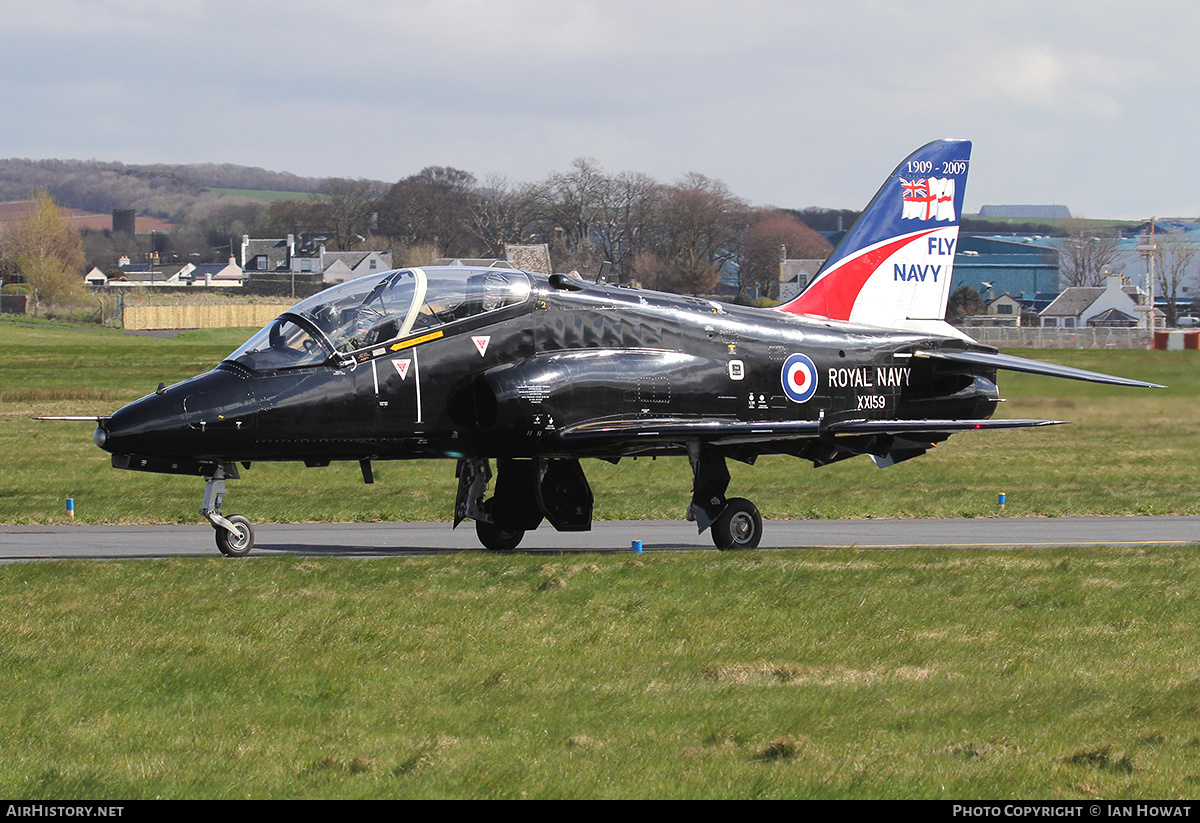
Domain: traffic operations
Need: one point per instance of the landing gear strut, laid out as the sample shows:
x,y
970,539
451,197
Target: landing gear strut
x,y
735,522
234,534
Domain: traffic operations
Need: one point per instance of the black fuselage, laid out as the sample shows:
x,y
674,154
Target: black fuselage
x,y
510,382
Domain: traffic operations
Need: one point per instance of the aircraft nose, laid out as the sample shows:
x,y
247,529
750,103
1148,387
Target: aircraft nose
x,y
184,420
145,426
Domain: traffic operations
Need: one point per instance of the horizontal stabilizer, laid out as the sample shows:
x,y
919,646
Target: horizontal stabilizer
x,y
1010,362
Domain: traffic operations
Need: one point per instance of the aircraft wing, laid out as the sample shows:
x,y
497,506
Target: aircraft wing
x,y
735,431
1009,362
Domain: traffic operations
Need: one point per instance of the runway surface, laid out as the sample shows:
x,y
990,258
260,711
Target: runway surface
x,y
19,543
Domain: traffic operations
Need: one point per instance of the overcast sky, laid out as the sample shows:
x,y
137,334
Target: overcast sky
x,y
1091,104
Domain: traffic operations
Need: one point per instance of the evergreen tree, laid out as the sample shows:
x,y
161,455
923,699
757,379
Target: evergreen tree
x,y
965,302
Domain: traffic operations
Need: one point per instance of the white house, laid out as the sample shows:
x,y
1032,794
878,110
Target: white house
x,y
217,274
795,275
1005,306
337,266
1116,304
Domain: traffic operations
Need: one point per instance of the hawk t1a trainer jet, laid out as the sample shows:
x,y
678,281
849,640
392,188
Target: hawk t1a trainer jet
x,y
515,377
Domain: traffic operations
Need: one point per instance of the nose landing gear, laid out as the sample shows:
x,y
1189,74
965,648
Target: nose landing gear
x,y
234,534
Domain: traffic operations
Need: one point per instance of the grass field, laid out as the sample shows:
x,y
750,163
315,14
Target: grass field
x,y
788,674
265,195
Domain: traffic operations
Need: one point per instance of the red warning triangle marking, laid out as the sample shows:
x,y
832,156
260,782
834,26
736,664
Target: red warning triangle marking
x,y
481,343
402,367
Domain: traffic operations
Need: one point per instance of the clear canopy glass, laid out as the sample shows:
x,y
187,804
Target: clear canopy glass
x,y
376,309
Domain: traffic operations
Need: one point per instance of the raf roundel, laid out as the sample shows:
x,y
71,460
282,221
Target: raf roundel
x,y
799,378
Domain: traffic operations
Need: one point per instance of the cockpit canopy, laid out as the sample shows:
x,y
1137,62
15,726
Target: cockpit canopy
x,y
376,309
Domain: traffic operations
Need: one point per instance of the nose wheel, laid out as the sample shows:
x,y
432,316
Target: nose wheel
x,y
234,534
238,539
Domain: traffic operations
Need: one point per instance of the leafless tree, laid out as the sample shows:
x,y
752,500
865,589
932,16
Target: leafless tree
x,y
349,206
623,227
572,202
1173,265
700,229
585,211
432,207
1086,254
772,231
284,217
498,213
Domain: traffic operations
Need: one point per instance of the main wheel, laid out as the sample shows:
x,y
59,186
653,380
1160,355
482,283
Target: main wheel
x,y
240,541
738,526
496,539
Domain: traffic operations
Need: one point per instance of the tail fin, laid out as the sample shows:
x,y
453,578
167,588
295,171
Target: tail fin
x,y
892,269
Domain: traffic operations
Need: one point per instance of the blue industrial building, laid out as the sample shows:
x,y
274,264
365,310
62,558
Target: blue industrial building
x,y
994,266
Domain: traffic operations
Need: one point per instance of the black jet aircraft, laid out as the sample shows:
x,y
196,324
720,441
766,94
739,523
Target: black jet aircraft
x,y
516,376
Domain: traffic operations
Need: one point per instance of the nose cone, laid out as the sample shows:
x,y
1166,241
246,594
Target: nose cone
x,y
196,418
146,426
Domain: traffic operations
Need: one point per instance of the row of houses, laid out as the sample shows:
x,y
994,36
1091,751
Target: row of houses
x,y
258,256
1116,304
309,255
1019,275
276,259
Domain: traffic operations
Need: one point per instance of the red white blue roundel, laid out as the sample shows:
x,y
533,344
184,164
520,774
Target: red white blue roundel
x,y
799,378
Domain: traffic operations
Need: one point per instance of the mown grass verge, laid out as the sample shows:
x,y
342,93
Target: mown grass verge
x,y
916,673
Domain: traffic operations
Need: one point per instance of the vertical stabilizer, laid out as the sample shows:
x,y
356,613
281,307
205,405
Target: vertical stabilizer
x,y
892,269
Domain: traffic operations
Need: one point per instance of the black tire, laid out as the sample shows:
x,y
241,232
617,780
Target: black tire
x,y
240,541
738,526
498,540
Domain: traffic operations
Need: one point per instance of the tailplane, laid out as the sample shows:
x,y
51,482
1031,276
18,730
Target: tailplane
x,y
892,269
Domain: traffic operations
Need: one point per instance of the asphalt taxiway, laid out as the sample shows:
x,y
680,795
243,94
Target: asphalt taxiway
x,y
19,543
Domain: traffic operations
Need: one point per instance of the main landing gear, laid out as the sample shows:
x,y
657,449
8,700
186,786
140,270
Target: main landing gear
x,y
234,534
555,489
734,522
528,491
